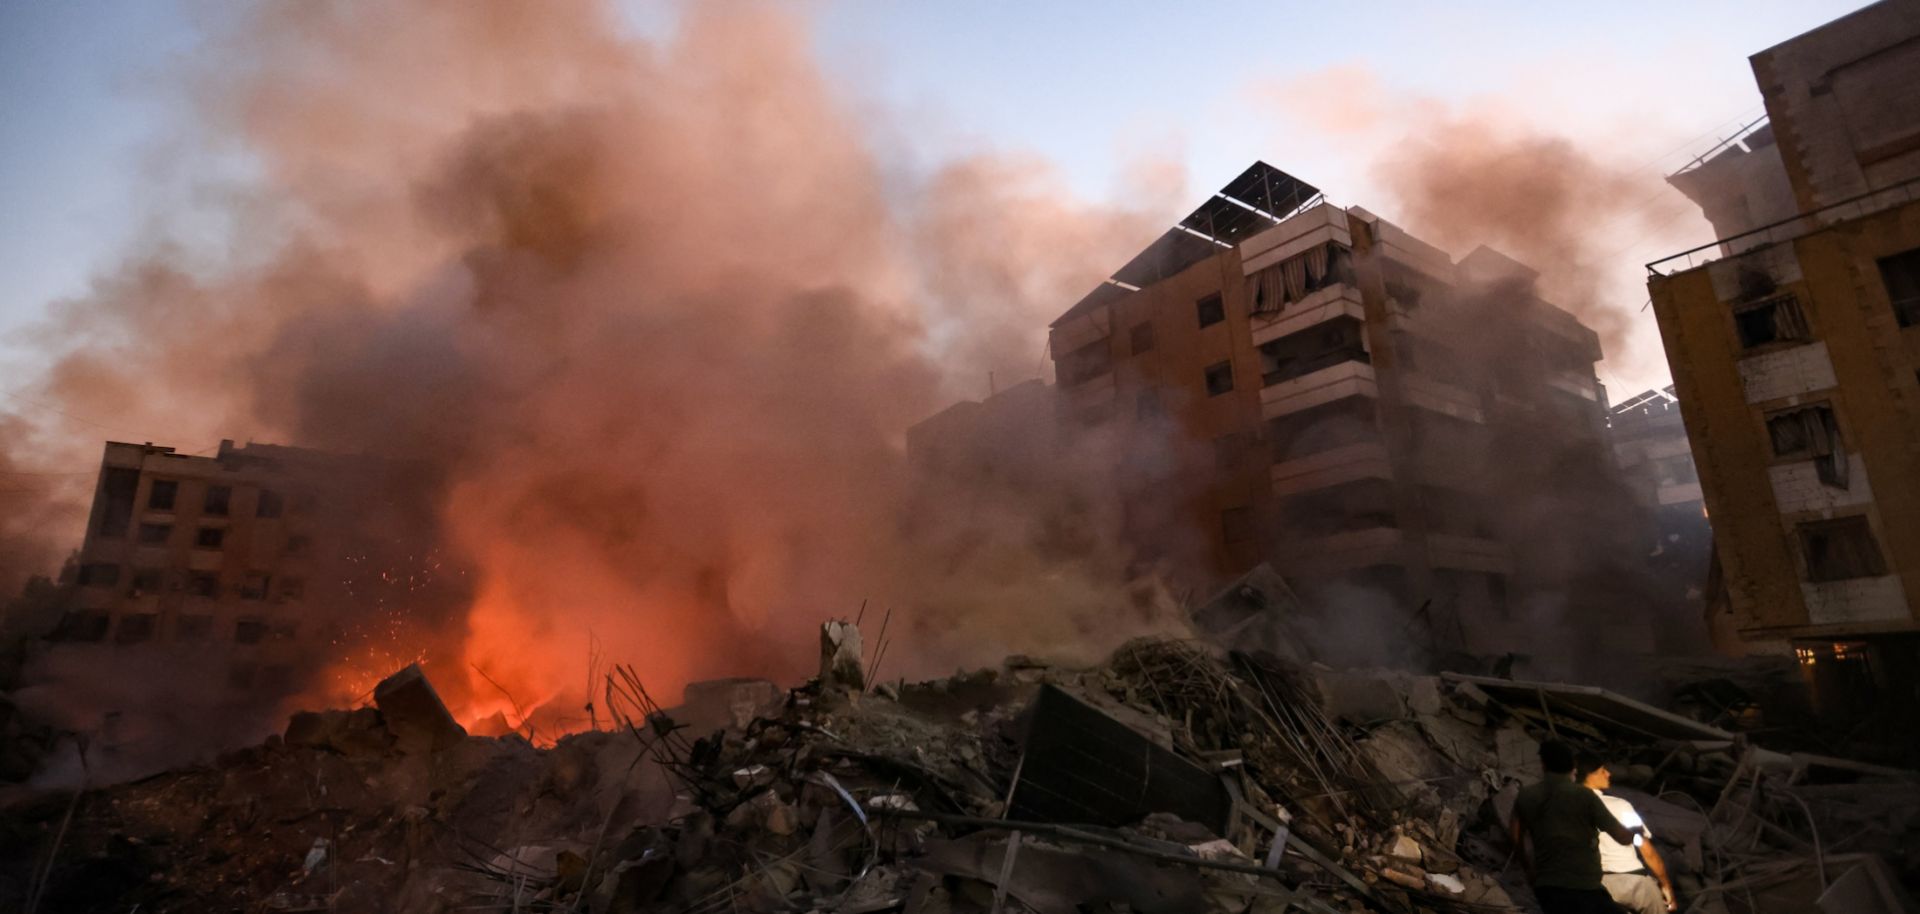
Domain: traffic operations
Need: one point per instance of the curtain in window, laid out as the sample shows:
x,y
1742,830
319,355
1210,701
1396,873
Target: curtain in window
x,y
1789,322
1316,259
1269,290
1295,271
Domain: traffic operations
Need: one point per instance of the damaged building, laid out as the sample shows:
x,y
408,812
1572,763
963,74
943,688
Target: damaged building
x,y
1650,445
216,586
1380,422
1794,341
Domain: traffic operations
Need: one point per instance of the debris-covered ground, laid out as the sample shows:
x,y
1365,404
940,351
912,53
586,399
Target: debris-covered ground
x,y
1177,777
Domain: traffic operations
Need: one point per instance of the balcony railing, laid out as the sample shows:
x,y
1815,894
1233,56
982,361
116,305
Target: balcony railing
x,y
1788,229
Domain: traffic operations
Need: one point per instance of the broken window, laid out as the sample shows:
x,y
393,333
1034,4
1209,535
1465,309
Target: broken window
x,y
147,581
134,628
98,574
193,628
155,534
1901,274
254,585
1811,432
1774,320
210,537
1219,378
1086,362
1236,525
81,626
1310,350
1840,549
1211,310
249,630
1299,276
1141,338
160,496
218,498
271,504
299,544
114,506
203,584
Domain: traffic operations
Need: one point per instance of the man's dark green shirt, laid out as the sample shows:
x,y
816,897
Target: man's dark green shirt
x,y
1564,820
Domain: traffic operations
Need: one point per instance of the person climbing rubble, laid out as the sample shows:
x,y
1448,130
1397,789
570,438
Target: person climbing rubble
x,y
1634,874
1556,829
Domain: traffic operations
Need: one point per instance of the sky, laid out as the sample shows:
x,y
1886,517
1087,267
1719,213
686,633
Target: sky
x,y
1094,88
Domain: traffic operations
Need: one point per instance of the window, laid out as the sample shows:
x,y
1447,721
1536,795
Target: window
x,y
113,507
147,581
1212,310
1313,349
193,628
204,584
1775,320
254,586
1219,378
1086,362
292,589
81,626
271,504
1810,432
1236,525
210,537
98,574
1839,549
1299,276
155,534
249,630
1901,274
134,628
1141,338
218,497
299,544
160,497
1146,406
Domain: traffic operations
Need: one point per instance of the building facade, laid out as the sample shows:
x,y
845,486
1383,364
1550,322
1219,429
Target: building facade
x,y
1794,342
1381,423
1651,448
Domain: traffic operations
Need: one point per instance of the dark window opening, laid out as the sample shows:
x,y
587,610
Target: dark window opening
x,y
1841,549
249,630
1303,353
115,502
160,497
1140,338
193,628
1776,320
1236,525
204,584
1219,378
155,534
1211,310
271,504
81,626
147,581
210,537
1811,432
99,574
299,544
254,586
135,628
1087,362
218,498
1901,274
1299,276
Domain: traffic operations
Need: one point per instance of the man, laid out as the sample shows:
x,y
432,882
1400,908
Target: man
x,y
1628,872
1564,821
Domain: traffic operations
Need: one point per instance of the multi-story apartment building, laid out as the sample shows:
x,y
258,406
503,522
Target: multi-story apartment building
x,y
1651,448
240,573
1376,420
1794,342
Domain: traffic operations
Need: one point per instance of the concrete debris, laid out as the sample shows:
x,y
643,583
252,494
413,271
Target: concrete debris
x,y
1175,777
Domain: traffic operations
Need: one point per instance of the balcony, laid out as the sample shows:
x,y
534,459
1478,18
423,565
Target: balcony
x,y
1349,463
1443,398
1348,377
1329,303
1346,550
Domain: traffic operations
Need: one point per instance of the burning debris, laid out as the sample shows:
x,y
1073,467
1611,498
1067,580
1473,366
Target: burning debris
x,y
1174,777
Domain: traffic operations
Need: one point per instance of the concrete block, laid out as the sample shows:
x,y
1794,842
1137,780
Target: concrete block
x,y
414,713
840,663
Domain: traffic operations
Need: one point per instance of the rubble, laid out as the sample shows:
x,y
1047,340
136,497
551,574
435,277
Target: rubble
x,y
1175,777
